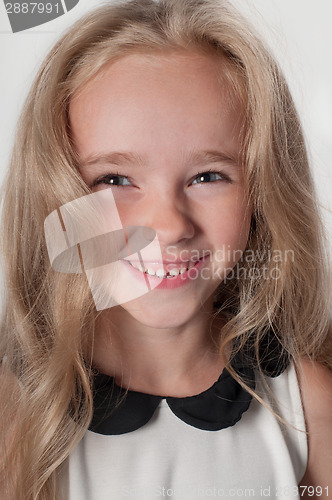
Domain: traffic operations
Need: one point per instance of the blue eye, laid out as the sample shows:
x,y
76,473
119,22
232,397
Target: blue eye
x,y
206,177
113,180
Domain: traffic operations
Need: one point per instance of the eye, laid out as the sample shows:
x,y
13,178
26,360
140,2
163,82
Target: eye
x,y
209,176
113,180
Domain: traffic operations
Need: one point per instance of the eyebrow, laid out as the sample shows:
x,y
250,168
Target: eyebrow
x,y
119,158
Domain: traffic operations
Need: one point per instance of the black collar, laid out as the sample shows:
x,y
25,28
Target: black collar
x,y
119,411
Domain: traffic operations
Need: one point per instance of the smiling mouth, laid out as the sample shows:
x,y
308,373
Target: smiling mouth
x,y
162,272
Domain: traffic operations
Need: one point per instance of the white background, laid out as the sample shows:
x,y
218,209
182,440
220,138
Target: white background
x,y
298,31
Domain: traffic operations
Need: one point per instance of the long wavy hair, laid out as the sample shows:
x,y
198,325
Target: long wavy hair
x,y
48,320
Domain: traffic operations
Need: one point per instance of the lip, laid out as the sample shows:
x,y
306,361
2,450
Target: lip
x,y
167,262
164,262
167,283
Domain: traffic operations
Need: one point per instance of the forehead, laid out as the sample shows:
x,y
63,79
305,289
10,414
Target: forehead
x,y
169,70
159,93
166,62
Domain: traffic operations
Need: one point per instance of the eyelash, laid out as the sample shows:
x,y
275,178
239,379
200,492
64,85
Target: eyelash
x,y
224,177
105,178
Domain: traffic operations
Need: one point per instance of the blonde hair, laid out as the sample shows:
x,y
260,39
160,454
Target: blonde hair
x,y
49,318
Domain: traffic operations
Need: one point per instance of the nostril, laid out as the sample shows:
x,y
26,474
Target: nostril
x,y
171,222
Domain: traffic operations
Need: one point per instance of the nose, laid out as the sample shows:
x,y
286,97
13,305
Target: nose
x,y
170,217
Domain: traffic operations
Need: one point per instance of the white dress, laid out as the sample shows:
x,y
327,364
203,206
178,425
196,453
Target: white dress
x,y
170,457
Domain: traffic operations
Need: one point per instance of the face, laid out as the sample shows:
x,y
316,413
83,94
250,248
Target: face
x,y
162,133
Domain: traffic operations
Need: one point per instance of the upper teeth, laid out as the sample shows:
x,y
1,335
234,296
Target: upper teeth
x,y
161,272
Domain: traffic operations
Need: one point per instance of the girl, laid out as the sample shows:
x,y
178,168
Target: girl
x,y
215,380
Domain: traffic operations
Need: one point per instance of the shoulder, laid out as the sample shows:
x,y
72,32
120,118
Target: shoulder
x,y
315,382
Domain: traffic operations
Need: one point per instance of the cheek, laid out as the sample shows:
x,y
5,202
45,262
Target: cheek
x,y
233,235
230,225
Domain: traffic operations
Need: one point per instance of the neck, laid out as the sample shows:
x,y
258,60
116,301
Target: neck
x,y
178,362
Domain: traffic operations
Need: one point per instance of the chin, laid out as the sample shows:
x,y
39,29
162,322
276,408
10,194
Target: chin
x,y
165,313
